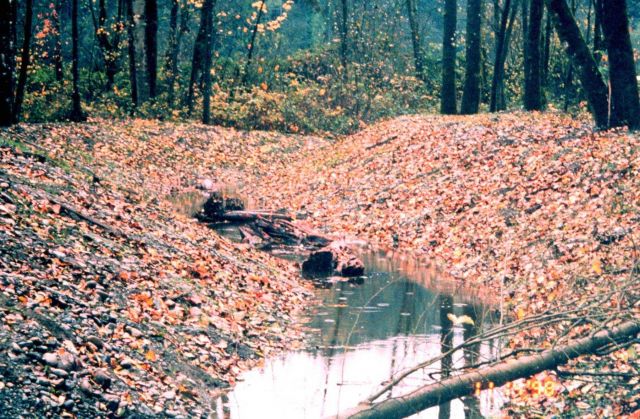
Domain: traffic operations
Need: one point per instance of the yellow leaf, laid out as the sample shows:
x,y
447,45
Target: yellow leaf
x,y
464,319
520,313
596,266
151,356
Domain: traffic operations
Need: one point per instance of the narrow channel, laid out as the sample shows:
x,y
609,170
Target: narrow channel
x,y
362,333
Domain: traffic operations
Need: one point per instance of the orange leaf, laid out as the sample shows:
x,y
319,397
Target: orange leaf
x,y
151,356
596,266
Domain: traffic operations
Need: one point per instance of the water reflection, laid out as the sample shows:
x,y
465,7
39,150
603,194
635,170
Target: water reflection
x,y
365,334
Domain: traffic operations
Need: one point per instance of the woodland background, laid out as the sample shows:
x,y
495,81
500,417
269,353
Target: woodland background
x,y
307,66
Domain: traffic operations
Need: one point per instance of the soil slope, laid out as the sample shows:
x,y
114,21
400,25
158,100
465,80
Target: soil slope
x,y
113,303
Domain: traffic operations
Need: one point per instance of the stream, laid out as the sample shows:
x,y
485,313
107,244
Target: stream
x,y
362,333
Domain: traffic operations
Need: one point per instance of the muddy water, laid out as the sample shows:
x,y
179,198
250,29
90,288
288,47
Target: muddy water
x,y
362,334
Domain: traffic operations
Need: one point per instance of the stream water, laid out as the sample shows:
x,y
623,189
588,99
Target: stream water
x,y
364,332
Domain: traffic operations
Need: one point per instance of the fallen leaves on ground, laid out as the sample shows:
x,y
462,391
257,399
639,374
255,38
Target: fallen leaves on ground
x,y
111,301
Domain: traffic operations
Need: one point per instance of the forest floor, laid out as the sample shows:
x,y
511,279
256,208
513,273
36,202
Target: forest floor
x,y
114,301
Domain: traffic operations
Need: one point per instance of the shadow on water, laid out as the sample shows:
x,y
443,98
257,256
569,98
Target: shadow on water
x,y
361,335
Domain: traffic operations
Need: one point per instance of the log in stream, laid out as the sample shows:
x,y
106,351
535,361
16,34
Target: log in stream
x,y
499,374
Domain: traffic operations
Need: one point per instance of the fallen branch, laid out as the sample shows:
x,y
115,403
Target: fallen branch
x,y
246,216
498,375
380,143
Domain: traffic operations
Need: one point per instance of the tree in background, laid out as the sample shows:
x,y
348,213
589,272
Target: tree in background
x,y
131,45
25,59
7,64
503,37
592,82
448,93
533,97
471,92
624,102
207,14
151,44
418,59
76,114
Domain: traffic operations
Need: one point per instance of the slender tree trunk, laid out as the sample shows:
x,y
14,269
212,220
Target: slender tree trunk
x,y
173,51
533,98
418,59
57,49
25,60
344,37
598,38
498,64
151,44
252,43
131,46
197,61
590,77
108,47
76,111
546,50
7,23
625,104
448,94
471,92
207,14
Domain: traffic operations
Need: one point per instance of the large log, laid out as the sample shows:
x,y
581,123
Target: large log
x,y
499,374
334,259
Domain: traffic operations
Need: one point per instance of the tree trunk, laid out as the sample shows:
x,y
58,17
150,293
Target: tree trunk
x,y
502,47
498,64
151,44
497,375
590,77
6,63
173,49
598,41
546,50
131,41
471,92
252,43
207,15
57,49
76,109
625,105
344,37
533,98
448,94
25,60
109,48
197,61
418,59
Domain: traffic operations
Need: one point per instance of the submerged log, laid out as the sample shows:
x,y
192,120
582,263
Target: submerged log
x,y
218,204
497,375
334,259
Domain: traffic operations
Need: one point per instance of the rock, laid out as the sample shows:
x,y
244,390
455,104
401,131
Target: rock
x,y
43,381
65,361
68,404
50,359
169,395
127,363
96,341
58,372
134,332
102,378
